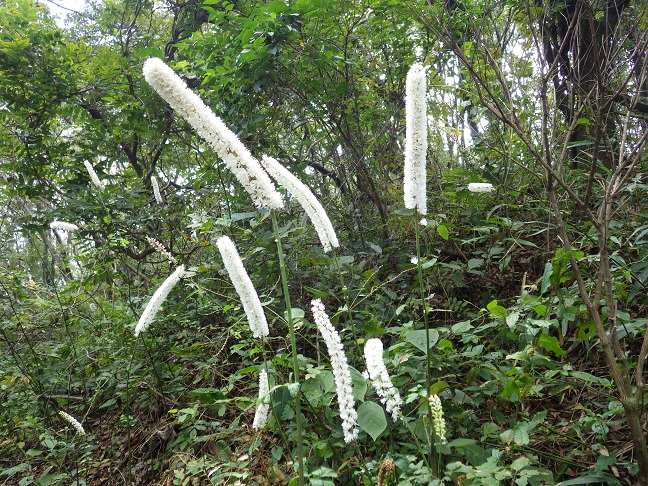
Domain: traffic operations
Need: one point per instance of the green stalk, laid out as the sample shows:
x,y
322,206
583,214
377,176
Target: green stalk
x,y
433,461
293,345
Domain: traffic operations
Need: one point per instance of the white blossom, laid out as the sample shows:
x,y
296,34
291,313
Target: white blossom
x,y
308,201
341,371
415,139
61,225
243,285
72,421
160,248
436,410
93,176
156,190
414,260
379,376
263,404
480,187
211,128
157,300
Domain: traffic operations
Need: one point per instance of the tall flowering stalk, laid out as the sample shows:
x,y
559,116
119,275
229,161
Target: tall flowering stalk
x,y
211,128
243,285
93,176
263,406
158,299
341,371
415,139
306,198
156,190
379,376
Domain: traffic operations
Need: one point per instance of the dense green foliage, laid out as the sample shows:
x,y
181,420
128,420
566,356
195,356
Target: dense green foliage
x,y
534,294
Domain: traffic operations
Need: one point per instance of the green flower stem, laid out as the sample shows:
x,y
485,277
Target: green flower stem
x,y
293,345
428,383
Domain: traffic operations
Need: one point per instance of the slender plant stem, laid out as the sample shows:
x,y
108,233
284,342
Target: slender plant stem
x,y
428,383
293,345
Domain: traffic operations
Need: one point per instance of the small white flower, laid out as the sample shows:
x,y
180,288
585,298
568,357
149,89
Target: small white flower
x,y
211,128
156,190
72,421
157,300
414,261
263,404
61,225
308,201
480,187
93,176
341,371
414,181
436,410
379,376
243,285
423,222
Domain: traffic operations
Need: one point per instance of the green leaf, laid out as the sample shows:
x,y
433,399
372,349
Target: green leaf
x,y
496,310
550,343
438,387
418,338
442,229
359,384
371,419
546,278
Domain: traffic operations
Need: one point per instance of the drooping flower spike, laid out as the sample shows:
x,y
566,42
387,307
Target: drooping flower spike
x,y
341,371
306,198
158,299
62,225
379,376
72,421
480,187
414,180
244,288
211,128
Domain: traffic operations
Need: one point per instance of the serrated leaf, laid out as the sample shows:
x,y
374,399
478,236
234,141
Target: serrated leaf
x,y
371,419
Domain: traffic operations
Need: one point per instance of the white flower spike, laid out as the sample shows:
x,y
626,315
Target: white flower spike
x,y
379,376
62,225
211,128
341,371
243,285
157,300
306,198
263,407
93,176
414,181
480,187
73,422
156,190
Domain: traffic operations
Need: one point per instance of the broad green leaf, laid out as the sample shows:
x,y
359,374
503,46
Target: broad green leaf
x,y
442,229
496,310
371,419
418,338
550,343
